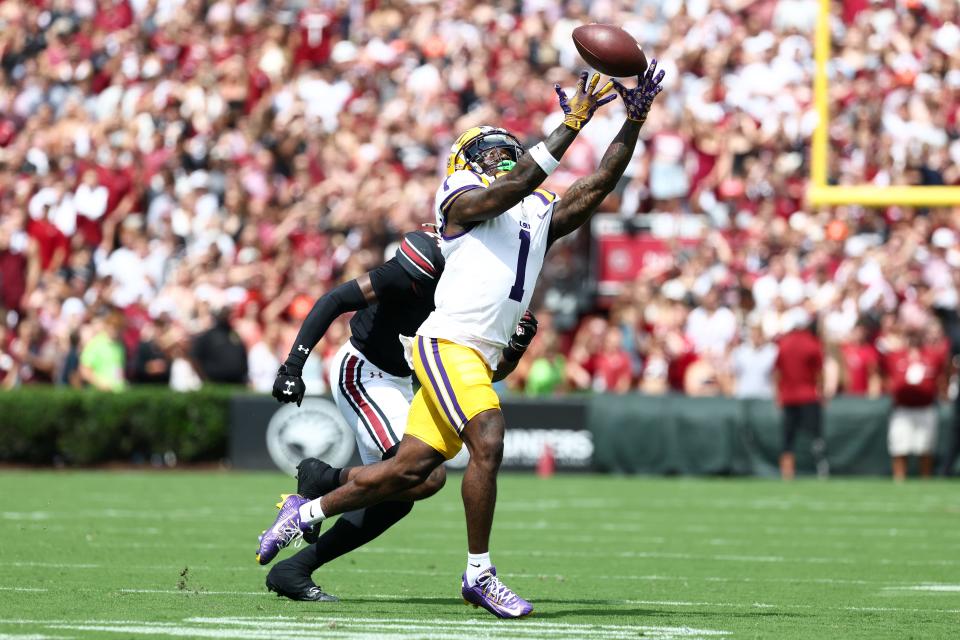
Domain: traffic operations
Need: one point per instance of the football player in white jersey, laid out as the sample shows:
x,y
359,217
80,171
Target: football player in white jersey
x,y
496,226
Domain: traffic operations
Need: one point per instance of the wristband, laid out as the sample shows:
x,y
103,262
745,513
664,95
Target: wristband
x,y
544,158
291,369
295,362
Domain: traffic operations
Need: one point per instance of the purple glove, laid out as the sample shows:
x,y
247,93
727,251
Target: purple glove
x,y
638,101
578,110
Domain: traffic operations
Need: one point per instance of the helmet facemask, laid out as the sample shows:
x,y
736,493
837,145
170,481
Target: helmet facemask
x,y
493,153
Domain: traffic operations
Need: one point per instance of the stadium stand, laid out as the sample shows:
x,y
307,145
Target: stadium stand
x,y
161,160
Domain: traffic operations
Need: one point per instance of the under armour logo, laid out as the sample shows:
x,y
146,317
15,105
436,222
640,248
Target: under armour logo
x,y
303,348
376,374
290,385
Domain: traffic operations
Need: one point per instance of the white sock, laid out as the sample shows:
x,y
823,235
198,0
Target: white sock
x,y
477,563
311,513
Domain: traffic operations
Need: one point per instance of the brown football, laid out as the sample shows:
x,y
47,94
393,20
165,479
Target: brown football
x,y
610,50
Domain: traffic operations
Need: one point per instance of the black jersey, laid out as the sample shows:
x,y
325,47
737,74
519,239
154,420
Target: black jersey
x,y
404,286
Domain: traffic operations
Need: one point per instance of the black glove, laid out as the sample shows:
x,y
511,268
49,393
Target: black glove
x,y
289,387
521,339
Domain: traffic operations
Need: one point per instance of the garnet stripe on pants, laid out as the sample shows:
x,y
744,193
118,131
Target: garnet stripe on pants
x,y
378,424
346,383
343,391
392,436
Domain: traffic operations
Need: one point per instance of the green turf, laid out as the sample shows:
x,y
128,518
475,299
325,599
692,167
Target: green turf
x,y
132,555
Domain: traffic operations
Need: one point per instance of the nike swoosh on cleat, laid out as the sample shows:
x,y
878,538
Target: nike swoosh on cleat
x,y
511,611
475,565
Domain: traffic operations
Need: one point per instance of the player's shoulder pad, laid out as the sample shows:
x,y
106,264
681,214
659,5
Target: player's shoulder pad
x,y
545,196
419,255
456,184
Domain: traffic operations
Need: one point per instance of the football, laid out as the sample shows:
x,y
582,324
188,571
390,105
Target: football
x,y
610,50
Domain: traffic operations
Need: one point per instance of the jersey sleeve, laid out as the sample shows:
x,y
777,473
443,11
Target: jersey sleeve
x,y
391,281
543,201
454,186
420,257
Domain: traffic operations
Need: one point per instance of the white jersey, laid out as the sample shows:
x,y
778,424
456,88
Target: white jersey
x,y
490,270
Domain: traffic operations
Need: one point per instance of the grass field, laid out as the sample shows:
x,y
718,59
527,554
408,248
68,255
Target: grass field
x,y
133,555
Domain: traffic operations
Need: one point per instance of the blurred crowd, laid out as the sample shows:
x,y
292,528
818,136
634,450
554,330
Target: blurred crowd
x,y
180,179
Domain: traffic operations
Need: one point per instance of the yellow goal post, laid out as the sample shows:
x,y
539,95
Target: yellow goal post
x,y
821,193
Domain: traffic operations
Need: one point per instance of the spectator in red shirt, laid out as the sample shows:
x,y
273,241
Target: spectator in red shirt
x,y
917,379
798,372
19,263
54,247
860,365
113,15
611,367
586,345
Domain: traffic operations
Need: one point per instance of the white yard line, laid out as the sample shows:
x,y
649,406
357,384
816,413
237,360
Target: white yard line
x,y
380,549
127,567
198,632
364,628
680,603
884,584
210,546
421,629
198,592
54,565
436,622
34,621
612,602
558,528
94,529
235,515
943,588
643,525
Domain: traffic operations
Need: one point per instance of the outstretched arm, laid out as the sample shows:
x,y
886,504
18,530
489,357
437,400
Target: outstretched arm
x,y
349,296
585,195
418,260
478,205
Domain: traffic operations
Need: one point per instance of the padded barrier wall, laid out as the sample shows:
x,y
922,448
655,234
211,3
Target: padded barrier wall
x,y
703,436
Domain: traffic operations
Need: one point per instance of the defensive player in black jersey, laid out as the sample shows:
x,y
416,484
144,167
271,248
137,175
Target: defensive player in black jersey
x,y
371,383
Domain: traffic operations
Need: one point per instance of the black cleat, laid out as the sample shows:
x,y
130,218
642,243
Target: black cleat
x,y
295,587
310,594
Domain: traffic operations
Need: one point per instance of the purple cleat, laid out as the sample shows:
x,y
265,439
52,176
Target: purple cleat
x,y
285,530
494,596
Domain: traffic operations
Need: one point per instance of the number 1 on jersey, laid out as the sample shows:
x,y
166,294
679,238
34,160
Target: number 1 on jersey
x,y
516,291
